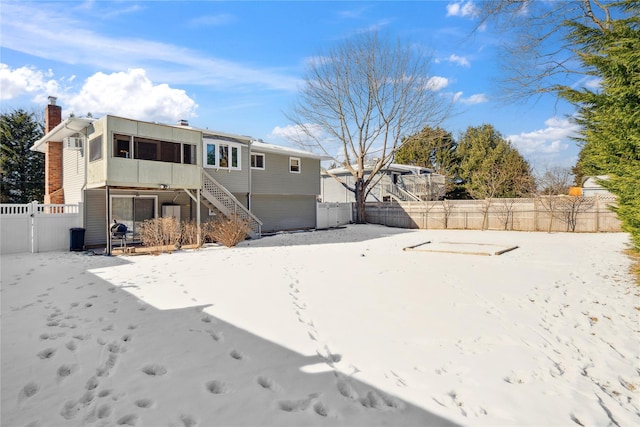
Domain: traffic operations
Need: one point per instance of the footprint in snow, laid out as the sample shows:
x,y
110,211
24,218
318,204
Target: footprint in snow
x,y
65,370
187,421
144,403
47,353
235,354
29,390
217,387
267,383
154,370
128,420
298,405
104,411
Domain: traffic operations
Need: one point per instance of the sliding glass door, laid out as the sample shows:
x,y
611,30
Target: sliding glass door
x,y
132,211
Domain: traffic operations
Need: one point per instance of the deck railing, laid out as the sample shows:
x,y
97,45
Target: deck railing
x,y
227,203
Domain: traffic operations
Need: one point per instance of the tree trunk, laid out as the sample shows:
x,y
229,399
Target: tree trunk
x,y
360,200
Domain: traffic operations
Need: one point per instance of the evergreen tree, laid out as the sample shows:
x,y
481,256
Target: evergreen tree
x,y
603,41
22,170
431,148
490,166
610,116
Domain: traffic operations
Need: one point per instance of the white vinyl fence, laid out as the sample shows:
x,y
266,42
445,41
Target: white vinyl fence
x,y
333,214
35,227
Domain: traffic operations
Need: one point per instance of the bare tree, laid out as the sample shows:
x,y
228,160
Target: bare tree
x,y
555,181
359,100
511,176
570,208
447,210
537,57
504,212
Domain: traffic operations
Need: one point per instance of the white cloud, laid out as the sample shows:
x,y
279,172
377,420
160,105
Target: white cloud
x,y
79,44
594,84
477,98
551,139
460,60
296,133
312,138
463,9
130,94
436,83
25,80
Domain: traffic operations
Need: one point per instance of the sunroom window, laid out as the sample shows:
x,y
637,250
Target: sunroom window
x,y
122,146
135,147
222,155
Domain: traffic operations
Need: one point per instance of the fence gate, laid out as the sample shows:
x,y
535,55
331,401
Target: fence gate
x,y
333,214
35,227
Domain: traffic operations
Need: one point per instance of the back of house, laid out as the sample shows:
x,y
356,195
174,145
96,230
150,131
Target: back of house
x,y
129,171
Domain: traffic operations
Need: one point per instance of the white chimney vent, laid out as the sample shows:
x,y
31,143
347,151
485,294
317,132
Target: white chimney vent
x,y
183,122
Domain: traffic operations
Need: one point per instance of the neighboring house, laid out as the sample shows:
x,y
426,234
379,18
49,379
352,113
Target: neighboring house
x,y
591,187
397,182
130,171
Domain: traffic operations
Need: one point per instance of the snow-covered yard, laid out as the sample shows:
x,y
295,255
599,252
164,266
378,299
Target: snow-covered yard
x,y
338,327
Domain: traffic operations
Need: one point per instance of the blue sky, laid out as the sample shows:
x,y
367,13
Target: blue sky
x,y
236,66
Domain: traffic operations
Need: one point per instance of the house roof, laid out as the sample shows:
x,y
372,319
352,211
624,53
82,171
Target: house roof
x,y
74,125
278,149
67,128
592,181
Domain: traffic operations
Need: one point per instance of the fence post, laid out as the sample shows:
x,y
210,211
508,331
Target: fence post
x,y
596,200
80,214
33,213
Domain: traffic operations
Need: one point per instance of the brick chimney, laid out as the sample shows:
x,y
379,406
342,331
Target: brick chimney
x,y
53,156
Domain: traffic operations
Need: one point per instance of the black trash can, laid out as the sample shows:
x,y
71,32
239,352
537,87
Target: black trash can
x,y
76,239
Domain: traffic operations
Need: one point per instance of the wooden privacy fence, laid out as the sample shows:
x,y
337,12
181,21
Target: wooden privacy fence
x,y
555,213
34,227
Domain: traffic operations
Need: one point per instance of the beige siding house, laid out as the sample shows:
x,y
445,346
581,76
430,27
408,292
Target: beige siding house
x,y
129,171
396,182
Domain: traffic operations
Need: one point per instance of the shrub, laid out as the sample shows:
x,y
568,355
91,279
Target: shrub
x,y
160,232
228,231
189,233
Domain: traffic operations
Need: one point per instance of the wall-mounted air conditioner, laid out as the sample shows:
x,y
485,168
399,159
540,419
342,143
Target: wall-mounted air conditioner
x,y
73,142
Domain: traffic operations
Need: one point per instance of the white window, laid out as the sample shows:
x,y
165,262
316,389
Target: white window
x,y
294,165
222,155
257,161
